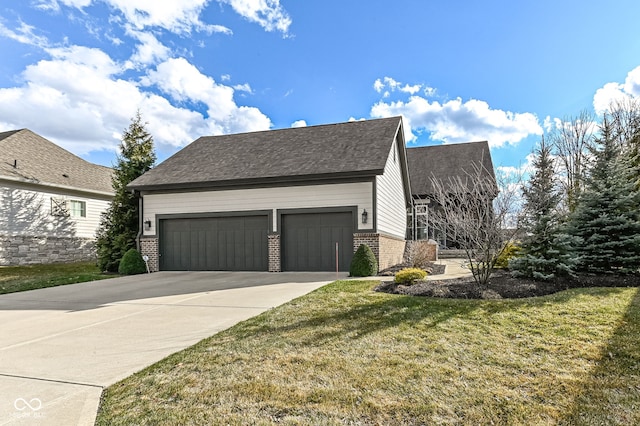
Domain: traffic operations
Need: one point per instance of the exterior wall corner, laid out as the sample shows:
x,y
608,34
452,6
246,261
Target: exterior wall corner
x,y
149,247
388,251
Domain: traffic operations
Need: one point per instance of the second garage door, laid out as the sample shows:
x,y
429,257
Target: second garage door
x,y
214,244
309,241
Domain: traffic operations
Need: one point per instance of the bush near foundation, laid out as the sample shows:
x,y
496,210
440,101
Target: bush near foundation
x,y
132,263
364,262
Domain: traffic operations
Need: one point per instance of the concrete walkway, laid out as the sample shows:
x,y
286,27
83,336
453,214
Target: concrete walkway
x,y
455,268
59,347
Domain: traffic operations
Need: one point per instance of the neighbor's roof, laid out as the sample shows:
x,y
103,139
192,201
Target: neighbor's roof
x,y
358,148
29,158
444,162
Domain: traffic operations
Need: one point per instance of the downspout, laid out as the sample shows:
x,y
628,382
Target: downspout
x,y
140,220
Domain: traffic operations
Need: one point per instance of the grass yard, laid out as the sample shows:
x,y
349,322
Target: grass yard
x,y
22,278
344,355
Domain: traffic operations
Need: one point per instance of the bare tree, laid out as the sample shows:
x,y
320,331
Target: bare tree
x,y
624,119
477,215
571,141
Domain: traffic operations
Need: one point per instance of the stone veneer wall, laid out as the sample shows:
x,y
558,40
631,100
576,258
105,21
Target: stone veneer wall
x,y
389,251
23,250
274,253
149,247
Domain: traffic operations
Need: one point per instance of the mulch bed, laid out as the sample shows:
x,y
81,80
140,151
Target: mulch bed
x,y
503,286
431,268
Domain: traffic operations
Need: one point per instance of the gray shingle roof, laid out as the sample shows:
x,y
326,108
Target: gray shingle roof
x,y
40,161
358,148
444,161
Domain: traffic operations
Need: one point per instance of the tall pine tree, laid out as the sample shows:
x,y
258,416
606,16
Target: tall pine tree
x,y
545,249
607,218
119,225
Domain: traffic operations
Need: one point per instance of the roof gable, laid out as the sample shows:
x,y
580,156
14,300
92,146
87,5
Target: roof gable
x,y
28,157
442,162
350,149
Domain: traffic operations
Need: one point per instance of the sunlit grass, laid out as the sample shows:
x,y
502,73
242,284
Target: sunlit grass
x,y
346,355
22,278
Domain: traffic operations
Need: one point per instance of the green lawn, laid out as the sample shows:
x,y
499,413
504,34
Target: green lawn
x,y
344,355
22,278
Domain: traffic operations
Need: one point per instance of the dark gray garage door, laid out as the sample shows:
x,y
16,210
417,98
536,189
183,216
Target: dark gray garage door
x,y
309,241
214,244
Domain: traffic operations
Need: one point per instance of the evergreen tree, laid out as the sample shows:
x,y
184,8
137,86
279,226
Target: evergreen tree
x,y
119,224
545,249
607,218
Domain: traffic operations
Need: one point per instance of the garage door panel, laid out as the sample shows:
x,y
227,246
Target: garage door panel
x,y
309,241
219,243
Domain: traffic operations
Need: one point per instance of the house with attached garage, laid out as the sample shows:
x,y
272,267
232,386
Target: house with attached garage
x,y
50,201
298,199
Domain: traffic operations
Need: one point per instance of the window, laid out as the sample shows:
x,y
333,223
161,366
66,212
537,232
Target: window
x,y
78,208
418,221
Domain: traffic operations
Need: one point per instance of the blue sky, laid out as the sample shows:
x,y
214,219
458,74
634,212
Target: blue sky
x,y
76,71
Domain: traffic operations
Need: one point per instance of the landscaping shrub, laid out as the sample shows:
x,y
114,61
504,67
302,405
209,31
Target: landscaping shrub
x,y
409,275
364,262
421,254
510,251
132,263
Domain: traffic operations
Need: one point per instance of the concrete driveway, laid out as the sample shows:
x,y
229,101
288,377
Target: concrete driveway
x,y
59,347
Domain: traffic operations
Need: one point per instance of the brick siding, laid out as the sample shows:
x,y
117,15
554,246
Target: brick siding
x,y
391,251
274,253
149,247
387,250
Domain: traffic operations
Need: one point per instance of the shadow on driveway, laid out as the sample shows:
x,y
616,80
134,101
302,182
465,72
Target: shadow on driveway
x,y
95,294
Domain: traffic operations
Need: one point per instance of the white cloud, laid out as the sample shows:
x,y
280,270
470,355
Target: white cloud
x,y
78,98
23,34
176,16
458,121
299,123
522,170
184,82
390,85
149,51
243,88
54,5
612,93
411,89
269,14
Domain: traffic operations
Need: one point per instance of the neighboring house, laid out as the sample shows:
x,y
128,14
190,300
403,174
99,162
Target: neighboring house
x,y
442,163
50,201
279,200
